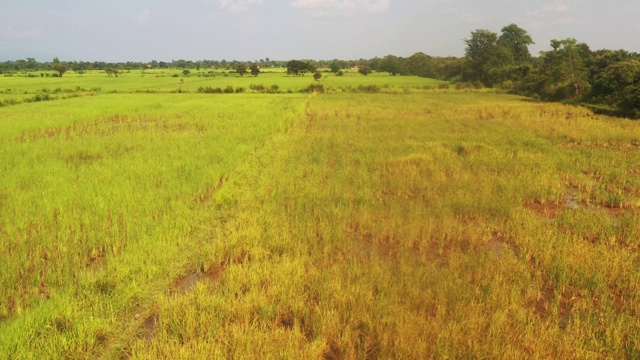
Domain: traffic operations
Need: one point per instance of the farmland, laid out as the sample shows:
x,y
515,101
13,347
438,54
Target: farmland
x,y
382,218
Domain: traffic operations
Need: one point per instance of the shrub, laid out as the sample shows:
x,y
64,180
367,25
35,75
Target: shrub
x,y
317,88
274,89
369,88
443,86
257,88
228,89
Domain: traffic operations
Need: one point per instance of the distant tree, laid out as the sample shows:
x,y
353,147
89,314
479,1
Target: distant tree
x,y
32,64
365,70
421,64
337,65
112,72
481,55
562,73
59,67
391,64
186,72
517,41
255,69
297,67
241,69
317,75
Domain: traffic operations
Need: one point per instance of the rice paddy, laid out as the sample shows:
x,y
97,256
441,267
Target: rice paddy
x,y
382,217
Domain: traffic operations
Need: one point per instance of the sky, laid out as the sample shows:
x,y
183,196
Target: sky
x,y
249,30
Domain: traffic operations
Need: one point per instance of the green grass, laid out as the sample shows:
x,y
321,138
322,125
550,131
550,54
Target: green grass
x,y
409,223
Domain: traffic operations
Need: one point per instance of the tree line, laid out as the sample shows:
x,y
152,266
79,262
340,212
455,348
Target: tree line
x,y
607,80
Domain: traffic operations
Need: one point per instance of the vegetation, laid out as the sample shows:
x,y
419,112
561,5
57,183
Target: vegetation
x,y
298,67
241,69
376,217
365,70
255,69
174,210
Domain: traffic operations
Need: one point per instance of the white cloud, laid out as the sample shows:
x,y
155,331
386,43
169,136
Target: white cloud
x,y
553,8
556,8
472,18
568,21
238,5
345,7
143,18
24,34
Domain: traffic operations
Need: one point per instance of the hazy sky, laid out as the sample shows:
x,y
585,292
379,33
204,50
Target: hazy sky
x,y
164,30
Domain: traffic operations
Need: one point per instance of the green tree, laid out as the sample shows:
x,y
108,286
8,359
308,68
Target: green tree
x,y
317,75
562,73
391,64
255,69
241,69
112,72
365,70
297,67
421,64
59,67
186,72
481,55
516,40
337,65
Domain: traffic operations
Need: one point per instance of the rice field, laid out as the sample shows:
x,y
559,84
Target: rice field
x,y
405,222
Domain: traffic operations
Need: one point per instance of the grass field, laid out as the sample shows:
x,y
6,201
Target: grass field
x,y
408,223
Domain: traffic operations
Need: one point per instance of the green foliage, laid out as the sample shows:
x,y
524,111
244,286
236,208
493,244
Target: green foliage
x,y
562,73
365,70
337,65
314,88
392,64
112,72
58,67
517,41
496,61
255,69
420,64
241,69
481,55
297,67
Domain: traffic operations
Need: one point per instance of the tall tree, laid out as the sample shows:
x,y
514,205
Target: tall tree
x,y
562,73
59,67
241,69
481,55
391,64
255,69
421,64
297,67
517,41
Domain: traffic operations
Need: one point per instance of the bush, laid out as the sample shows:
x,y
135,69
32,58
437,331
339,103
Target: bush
x,y
209,90
228,89
369,88
274,89
239,90
340,73
314,88
257,88
443,86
